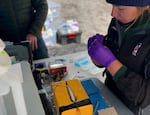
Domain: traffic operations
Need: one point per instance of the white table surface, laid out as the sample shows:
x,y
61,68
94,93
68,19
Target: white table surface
x,y
96,78
72,69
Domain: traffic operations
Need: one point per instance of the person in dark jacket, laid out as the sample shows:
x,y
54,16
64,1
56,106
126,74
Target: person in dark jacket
x,y
22,20
125,53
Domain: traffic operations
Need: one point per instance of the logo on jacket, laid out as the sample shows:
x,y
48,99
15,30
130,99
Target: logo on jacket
x,y
136,49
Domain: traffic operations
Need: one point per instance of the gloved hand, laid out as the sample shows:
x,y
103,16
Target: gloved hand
x,y
97,37
99,52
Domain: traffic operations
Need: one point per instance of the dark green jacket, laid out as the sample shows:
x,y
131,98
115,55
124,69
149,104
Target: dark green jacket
x,y
132,48
20,17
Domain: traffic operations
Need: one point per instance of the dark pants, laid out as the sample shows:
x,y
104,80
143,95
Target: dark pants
x,y
42,51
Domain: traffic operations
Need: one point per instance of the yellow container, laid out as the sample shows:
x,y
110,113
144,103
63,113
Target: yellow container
x,y
71,99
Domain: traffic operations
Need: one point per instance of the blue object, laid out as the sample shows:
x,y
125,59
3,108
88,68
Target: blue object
x,y
81,61
94,95
40,65
60,60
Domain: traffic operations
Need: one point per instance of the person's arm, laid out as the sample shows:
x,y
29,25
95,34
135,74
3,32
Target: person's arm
x,y
133,86
114,67
102,56
40,12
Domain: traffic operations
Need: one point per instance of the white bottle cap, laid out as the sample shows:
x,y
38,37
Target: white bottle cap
x,y
2,45
5,60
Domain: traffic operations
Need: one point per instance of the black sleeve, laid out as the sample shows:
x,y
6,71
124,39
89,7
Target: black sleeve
x,y
135,87
40,12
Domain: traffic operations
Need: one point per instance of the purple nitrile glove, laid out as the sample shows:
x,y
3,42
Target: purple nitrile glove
x,y
100,53
97,37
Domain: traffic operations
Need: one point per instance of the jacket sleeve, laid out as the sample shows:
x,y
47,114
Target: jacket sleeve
x,y
134,86
40,8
